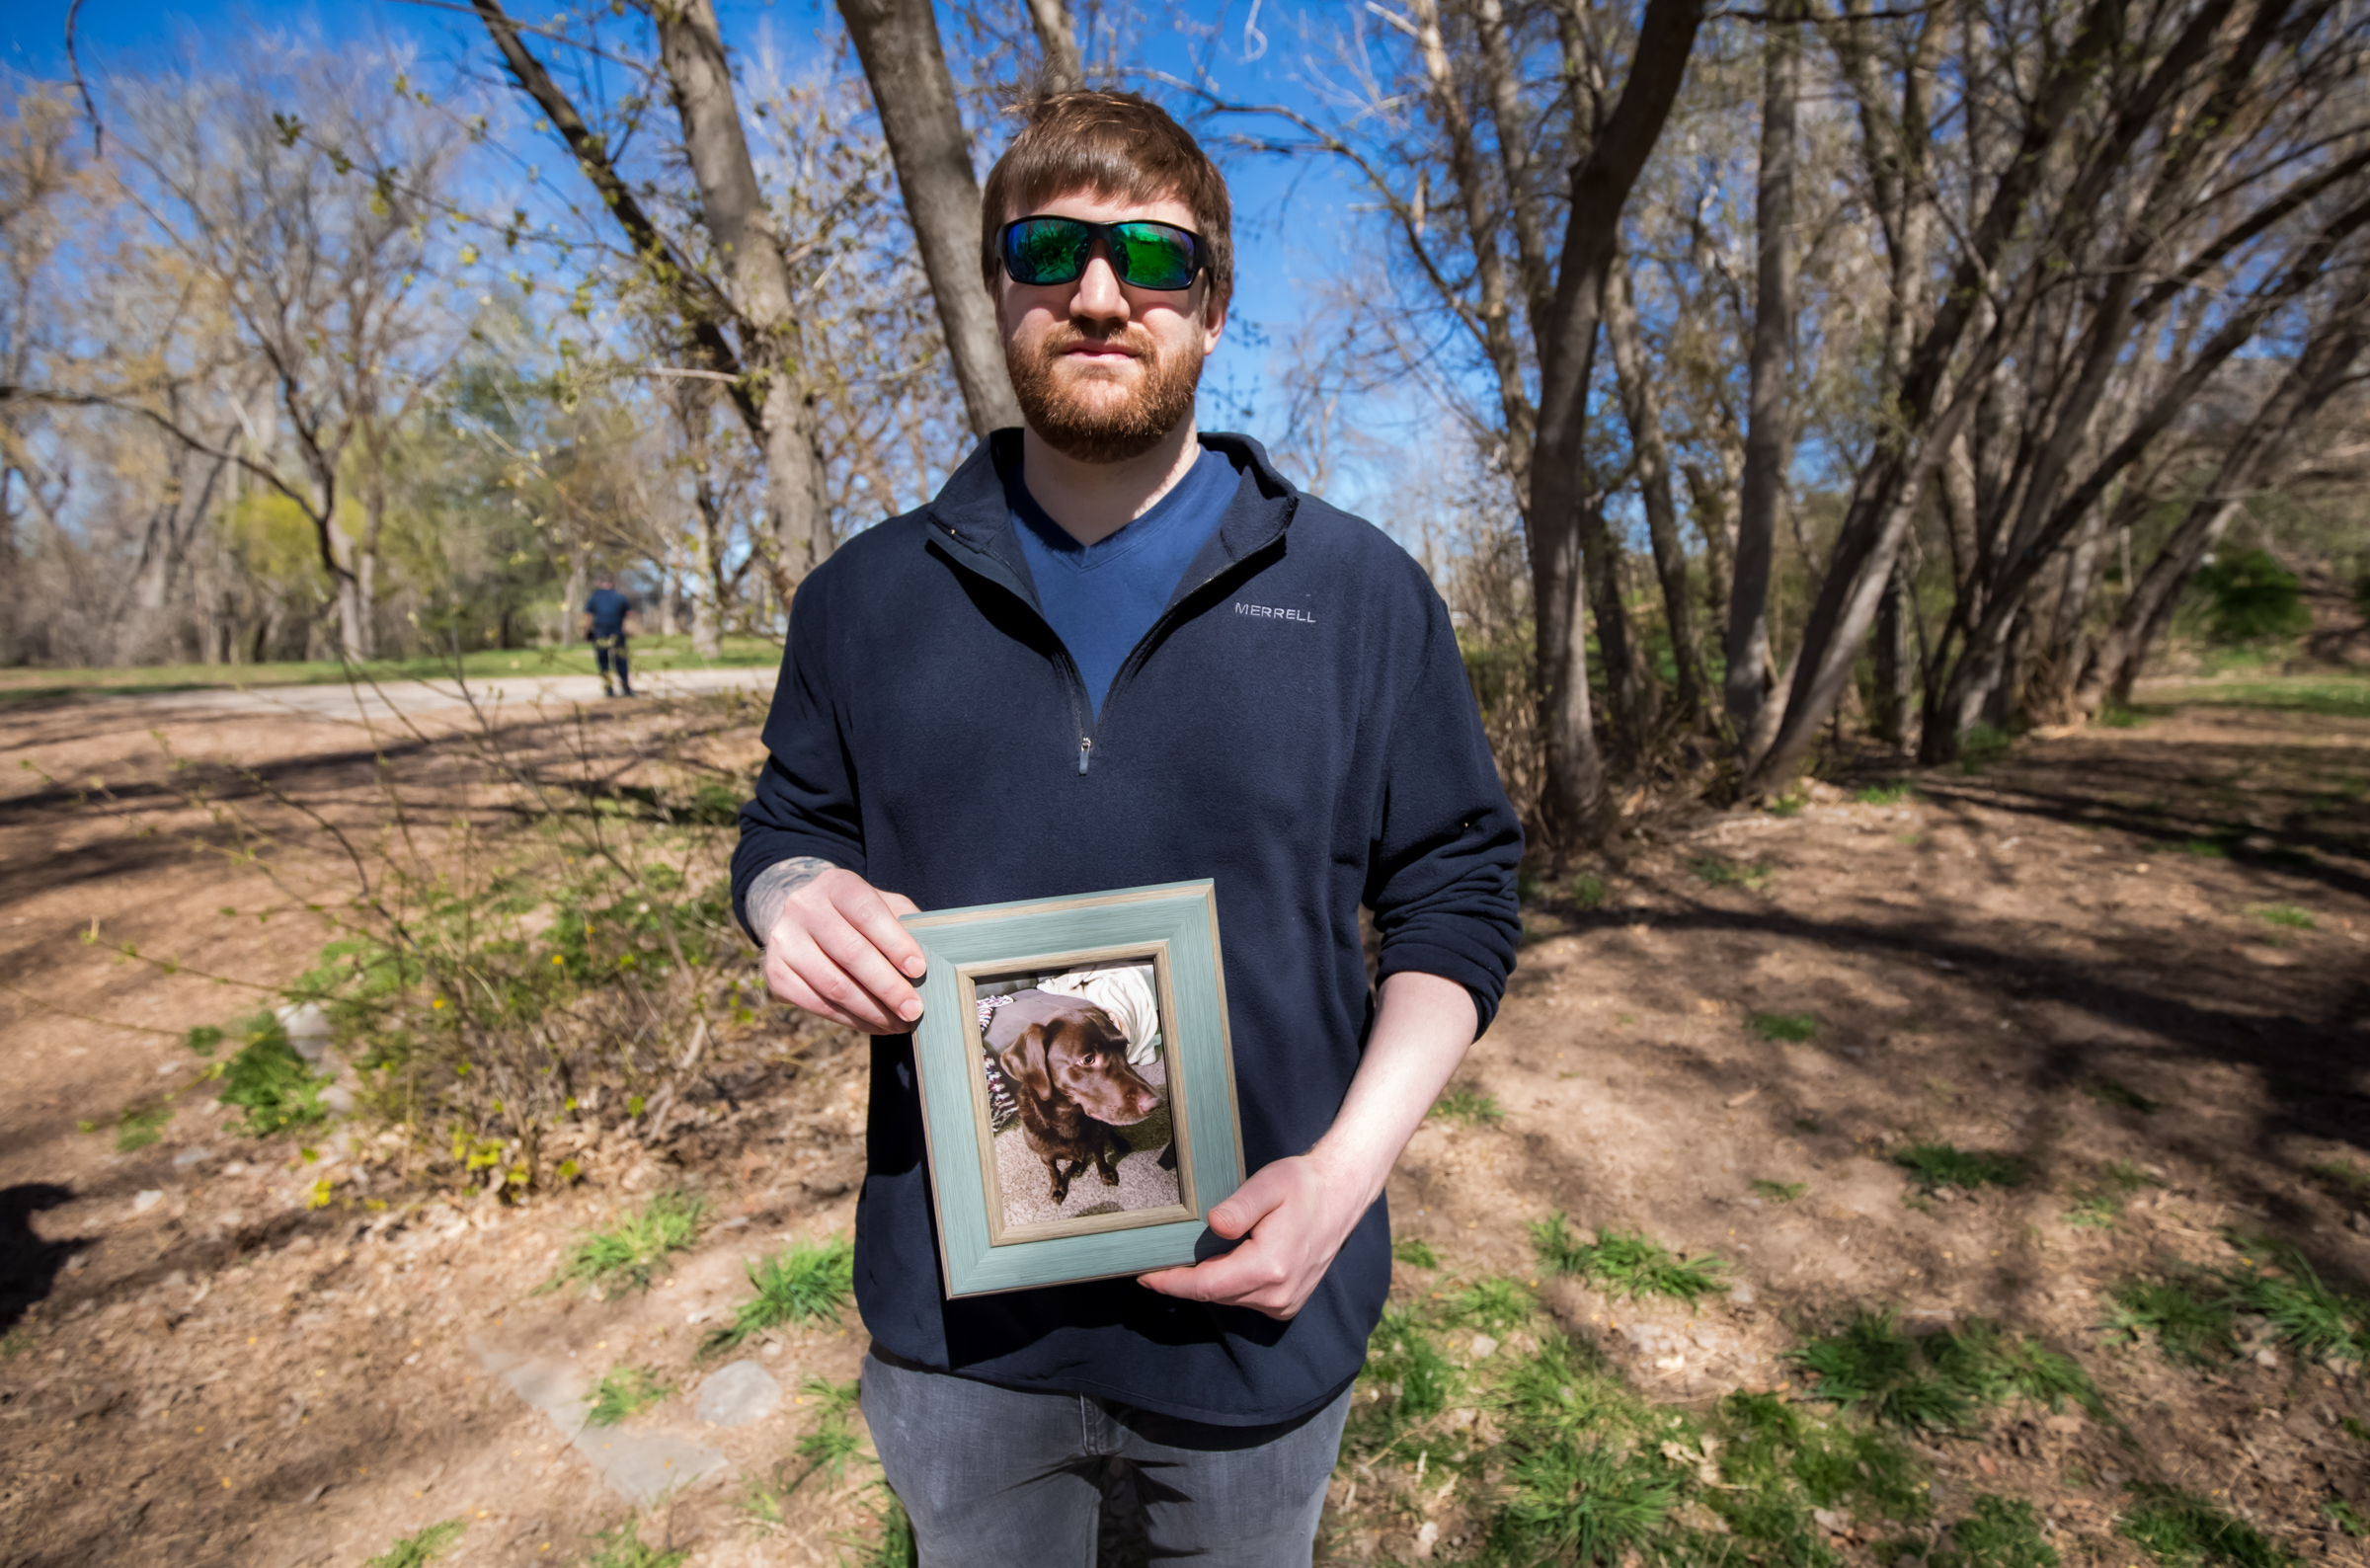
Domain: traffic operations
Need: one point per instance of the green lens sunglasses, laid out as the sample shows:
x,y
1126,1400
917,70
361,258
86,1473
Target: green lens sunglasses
x,y
1145,255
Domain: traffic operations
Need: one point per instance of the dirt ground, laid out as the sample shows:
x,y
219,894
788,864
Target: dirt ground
x,y
208,1371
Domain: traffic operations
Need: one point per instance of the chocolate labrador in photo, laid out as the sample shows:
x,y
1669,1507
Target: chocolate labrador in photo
x,y
1068,1064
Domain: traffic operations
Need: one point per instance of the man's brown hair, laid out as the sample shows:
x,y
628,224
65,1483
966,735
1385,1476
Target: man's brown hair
x,y
1119,147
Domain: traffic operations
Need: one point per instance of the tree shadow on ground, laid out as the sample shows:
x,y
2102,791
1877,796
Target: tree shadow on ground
x,y
28,1262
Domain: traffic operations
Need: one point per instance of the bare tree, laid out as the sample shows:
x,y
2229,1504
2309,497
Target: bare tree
x,y
906,64
741,326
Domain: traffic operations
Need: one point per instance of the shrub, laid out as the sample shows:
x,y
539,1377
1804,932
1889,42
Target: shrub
x,y
2250,598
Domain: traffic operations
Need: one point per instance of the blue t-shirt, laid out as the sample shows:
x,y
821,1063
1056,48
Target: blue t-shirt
x,y
608,608
1101,598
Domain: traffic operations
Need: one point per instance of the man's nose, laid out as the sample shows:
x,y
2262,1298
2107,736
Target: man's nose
x,y
1099,296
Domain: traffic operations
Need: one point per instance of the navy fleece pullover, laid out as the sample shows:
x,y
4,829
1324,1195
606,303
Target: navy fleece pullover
x,y
1296,726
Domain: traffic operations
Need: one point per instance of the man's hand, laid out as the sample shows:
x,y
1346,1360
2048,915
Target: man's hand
x,y
1297,1212
833,947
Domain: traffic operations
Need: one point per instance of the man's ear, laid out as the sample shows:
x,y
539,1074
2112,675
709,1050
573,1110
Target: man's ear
x,y
1214,318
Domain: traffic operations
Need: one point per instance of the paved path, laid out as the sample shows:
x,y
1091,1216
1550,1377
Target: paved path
x,y
367,702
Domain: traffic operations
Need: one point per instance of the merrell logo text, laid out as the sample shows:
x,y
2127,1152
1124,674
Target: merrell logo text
x,y
1273,612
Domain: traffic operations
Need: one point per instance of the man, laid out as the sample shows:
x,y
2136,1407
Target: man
x,y
605,614
1114,651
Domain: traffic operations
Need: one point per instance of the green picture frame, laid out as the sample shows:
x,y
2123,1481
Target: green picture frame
x,y
993,1233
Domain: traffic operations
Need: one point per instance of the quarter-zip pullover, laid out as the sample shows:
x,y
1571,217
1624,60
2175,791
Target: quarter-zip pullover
x,y
1100,598
1296,726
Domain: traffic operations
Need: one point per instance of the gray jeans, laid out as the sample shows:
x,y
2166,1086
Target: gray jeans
x,y
996,1478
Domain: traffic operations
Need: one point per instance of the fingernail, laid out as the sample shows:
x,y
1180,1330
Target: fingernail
x,y
909,1010
913,966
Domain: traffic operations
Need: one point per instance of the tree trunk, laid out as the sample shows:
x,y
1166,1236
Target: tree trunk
x,y
1891,481
904,60
736,215
1062,70
1750,687
1572,803
579,582
1641,408
1896,665
2318,374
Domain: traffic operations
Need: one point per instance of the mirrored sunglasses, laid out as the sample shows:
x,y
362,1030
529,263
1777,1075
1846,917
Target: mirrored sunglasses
x,y
1145,255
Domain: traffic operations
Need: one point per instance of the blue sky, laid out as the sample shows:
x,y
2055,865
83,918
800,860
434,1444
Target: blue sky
x,y
1294,221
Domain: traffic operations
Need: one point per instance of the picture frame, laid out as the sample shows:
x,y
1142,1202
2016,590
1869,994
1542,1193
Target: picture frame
x,y
1076,1073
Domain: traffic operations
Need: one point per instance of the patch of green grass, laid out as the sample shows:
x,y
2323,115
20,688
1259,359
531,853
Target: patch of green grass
x,y
2312,1320
1937,1382
138,1126
1588,890
833,1442
893,1545
2109,1091
1580,1498
1474,1107
2099,1206
1807,1125
810,1281
2094,1210
1407,1379
2354,1429
2001,1533
623,1547
2344,1515
1720,872
1496,1304
1586,1471
16,1342
1789,804
630,1252
1779,1191
1626,1264
1415,1252
2344,1176
2184,1530
625,1392
1982,746
2205,848
267,1080
2189,1316
1554,1458
2340,697
2285,914
1889,794
1939,1166
1779,1461
651,652
2114,717
1794,1027
1994,1366
420,1547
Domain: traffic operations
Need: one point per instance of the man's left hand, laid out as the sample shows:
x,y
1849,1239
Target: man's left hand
x,y
1297,1214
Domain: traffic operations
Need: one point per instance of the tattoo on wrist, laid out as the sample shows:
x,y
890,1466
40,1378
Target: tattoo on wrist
x,y
773,888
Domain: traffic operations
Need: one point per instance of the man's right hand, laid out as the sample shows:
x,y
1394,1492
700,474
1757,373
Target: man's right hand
x,y
833,947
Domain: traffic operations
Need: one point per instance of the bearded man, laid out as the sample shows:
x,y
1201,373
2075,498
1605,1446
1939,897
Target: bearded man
x,y
1115,650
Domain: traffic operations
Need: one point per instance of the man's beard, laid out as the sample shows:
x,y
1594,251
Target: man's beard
x,y
1100,431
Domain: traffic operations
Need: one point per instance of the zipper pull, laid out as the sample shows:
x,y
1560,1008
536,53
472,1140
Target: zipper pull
x,y
1085,748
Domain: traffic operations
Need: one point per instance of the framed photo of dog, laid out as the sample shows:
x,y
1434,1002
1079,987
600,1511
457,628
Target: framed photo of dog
x,y
1078,1084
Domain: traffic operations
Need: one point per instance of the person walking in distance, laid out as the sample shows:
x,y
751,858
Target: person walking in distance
x,y
605,615
1117,651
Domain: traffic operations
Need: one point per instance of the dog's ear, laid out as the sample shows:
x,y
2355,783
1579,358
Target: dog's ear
x,y
1024,1063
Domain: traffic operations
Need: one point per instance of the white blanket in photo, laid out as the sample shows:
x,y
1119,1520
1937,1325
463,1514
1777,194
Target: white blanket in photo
x,y
1125,991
